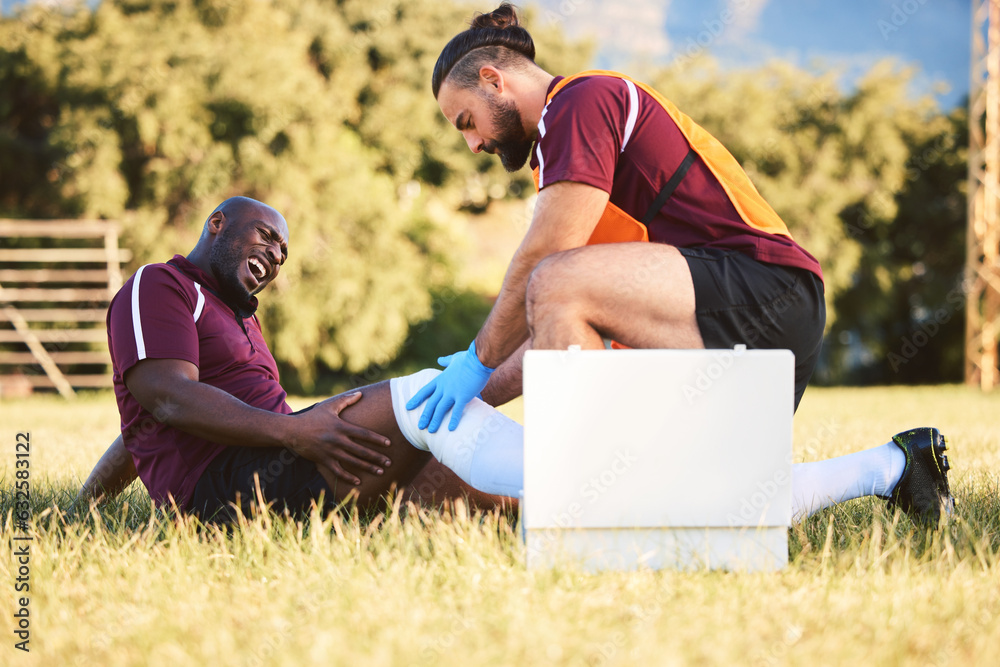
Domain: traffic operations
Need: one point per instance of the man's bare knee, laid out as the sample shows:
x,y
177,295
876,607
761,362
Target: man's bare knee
x,y
551,287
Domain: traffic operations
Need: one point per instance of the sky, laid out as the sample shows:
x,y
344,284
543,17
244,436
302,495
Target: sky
x,y
820,34
847,34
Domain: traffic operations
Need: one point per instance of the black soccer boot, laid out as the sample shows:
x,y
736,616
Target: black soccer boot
x,y
923,488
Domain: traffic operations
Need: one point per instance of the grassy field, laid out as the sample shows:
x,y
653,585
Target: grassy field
x,y
126,586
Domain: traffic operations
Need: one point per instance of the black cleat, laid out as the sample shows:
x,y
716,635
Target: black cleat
x,y
923,488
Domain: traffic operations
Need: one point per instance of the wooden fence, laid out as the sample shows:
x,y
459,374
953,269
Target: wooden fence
x,y
56,280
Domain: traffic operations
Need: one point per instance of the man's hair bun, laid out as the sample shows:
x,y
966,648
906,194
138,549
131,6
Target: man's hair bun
x,y
496,38
504,16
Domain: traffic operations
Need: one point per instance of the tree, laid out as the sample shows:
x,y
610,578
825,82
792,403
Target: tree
x,y
906,304
152,111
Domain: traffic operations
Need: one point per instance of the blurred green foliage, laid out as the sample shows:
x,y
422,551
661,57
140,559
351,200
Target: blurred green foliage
x,y
905,306
153,111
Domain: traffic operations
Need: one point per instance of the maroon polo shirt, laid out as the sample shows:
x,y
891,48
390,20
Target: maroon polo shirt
x,y
172,311
590,134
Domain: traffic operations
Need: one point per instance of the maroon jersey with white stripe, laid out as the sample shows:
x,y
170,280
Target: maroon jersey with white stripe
x,y
171,311
608,133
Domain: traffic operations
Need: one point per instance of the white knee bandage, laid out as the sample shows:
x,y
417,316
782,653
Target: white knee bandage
x,y
486,450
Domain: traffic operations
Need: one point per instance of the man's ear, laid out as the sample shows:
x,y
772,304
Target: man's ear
x,y
491,77
215,222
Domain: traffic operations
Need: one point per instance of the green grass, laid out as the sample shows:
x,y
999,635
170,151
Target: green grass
x,y
130,586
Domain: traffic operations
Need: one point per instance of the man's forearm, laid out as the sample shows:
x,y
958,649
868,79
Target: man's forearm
x,y
506,327
194,410
565,216
213,414
171,390
506,383
111,475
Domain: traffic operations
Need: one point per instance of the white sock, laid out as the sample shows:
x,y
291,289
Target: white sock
x,y
486,450
872,472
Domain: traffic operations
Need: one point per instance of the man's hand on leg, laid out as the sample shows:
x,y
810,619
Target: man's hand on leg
x,y
324,438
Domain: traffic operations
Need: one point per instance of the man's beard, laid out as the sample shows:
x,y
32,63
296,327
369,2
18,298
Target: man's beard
x,y
512,144
226,263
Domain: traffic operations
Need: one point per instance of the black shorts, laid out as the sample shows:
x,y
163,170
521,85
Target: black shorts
x,y
739,300
287,481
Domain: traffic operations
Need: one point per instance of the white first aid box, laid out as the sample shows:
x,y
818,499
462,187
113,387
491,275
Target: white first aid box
x,y
658,458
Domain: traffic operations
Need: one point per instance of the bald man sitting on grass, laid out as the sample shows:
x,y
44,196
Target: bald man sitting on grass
x,y
204,420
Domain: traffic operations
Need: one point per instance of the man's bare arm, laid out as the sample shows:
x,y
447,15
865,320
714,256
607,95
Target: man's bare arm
x,y
171,391
506,383
565,216
110,476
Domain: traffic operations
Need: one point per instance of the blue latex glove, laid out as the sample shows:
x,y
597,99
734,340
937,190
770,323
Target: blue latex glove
x,y
464,376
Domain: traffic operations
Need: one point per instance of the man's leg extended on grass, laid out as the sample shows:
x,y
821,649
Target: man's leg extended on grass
x,y
486,451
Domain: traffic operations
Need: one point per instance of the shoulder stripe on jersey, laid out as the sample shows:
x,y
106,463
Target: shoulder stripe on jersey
x,y
538,150
633,111
201,302
140,344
